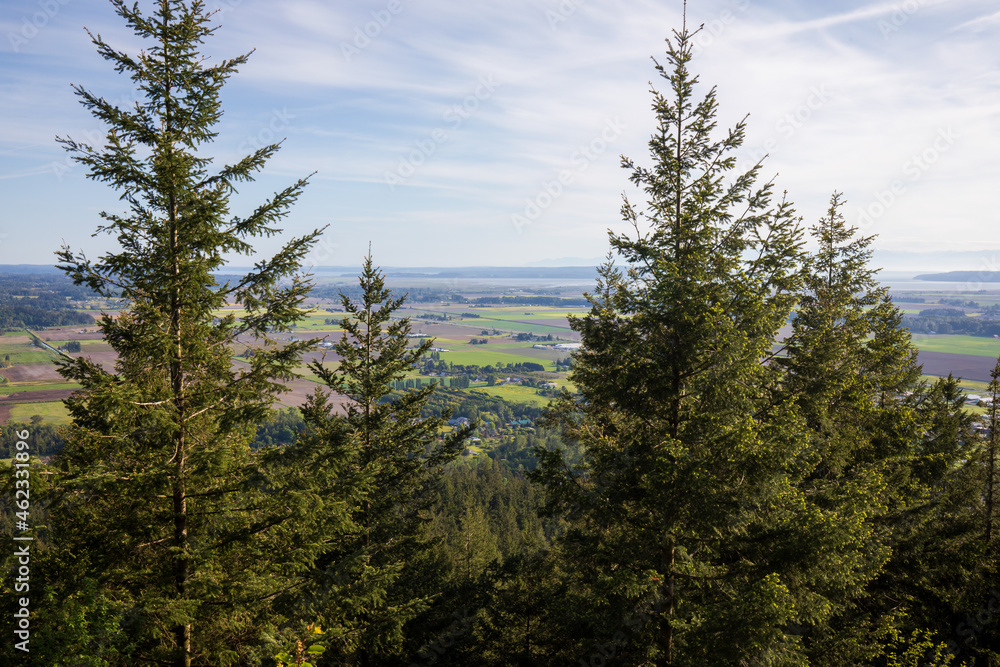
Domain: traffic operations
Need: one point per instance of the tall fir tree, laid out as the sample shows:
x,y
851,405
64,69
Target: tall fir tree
x,y
939,565
990,459
852,370
159,513
687,527
402,456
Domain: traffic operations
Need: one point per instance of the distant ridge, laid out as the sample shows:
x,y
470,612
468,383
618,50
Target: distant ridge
x,y
22,269
525,272
962,277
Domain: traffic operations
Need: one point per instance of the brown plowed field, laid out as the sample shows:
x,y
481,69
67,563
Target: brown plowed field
x,y
71,333
36,396
32,373
300,389
965,366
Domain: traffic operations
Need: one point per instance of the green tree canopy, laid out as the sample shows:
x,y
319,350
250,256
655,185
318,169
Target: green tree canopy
x,y
159,510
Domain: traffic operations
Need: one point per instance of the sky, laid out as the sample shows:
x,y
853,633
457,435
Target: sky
x,y
490,133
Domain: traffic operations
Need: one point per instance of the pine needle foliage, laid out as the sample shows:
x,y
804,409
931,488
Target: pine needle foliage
x,y
685,512
401,453
159,498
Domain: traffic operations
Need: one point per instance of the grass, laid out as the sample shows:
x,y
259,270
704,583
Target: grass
x,y
512,319
516,394
491,355
33,356
53,412
956,344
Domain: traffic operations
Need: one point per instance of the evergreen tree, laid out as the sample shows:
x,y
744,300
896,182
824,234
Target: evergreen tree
x,y
522,605
401,456
851,369
939,567
687,526
992,451
160,515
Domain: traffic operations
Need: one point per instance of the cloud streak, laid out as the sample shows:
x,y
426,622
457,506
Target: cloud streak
x,y
353,116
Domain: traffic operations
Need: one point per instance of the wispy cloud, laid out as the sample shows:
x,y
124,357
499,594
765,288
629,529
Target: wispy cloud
x,y
981,23
838,100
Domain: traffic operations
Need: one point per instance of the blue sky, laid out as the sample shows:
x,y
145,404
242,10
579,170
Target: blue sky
x,y
438,130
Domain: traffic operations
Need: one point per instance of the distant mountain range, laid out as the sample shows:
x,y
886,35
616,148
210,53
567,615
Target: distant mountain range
x,y
467,272
977,263
480,272
962,277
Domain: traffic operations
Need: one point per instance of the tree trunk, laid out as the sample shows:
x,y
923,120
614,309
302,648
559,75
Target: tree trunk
x,y
667,618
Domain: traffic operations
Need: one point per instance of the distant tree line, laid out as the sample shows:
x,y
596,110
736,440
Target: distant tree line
x,y
40,300
930,321
19,314
413,294
527,300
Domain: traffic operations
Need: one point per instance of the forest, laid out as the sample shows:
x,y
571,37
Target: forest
x,y
33,300
709,493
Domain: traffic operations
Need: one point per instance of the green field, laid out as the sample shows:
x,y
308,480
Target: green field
x,y
34,356
51,413
953,344
24,354
516,319
314,321
493,354
516,394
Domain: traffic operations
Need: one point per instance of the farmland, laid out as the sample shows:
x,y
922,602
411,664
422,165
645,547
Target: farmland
x,y
31,385
472,337
958,344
